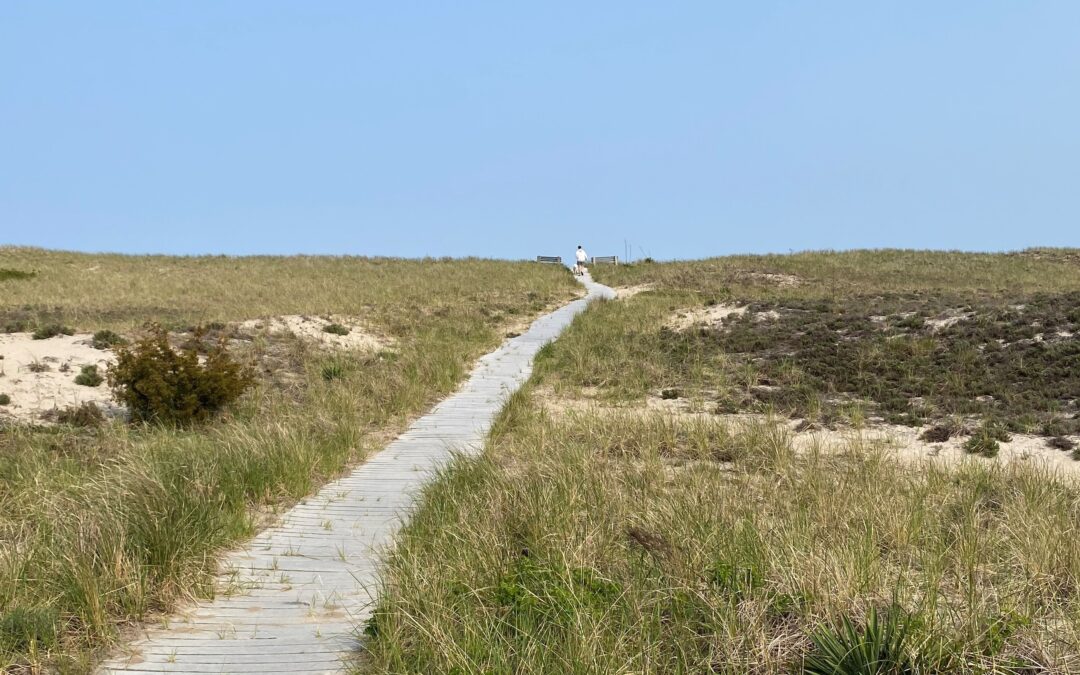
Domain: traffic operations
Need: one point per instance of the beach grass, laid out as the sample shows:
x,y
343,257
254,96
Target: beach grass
x,y
107,526
605,531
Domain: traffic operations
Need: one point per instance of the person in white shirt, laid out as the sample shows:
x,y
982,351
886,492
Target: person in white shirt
x,y
582,258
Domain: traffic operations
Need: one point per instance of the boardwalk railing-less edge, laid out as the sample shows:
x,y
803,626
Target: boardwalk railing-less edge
x,y
309,581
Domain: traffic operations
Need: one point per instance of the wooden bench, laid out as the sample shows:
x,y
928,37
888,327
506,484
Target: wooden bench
x,y
606,260
549,259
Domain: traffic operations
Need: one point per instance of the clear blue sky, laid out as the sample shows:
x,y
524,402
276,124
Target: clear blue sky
x,y
510,129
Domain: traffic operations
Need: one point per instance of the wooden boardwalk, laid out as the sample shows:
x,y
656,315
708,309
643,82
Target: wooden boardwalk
x,y
292,599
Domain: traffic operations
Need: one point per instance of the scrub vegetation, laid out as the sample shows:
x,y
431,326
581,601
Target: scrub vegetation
x,y
104,522
606,529
916,338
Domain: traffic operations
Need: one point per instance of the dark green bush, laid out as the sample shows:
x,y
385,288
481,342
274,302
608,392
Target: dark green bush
x,y
4,399
51,330
160,384
89,376
105,339
336,329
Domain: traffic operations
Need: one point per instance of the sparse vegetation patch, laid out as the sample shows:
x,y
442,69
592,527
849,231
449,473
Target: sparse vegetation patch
x,y
107,339
83,415
9,274
51,330
1014,363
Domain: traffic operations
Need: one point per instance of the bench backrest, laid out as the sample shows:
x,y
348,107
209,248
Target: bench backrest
x,y
606,260
549,259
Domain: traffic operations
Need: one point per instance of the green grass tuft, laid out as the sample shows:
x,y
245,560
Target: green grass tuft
x,y
880,647
89,376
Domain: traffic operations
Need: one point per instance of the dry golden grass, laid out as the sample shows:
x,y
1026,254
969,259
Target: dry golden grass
x,y
642,543
104,527
619,540
90,292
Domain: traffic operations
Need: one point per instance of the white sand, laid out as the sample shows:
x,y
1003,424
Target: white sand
x,y
312,328
624,292
904,443
35,393
702,316
898,441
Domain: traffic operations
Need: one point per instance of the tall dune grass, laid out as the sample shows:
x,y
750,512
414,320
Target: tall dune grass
x,y
639,543
103,528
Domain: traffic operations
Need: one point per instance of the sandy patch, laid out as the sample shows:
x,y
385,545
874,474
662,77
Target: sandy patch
x,y
59,360
900,442
950,318
702,316
624,292
772,278
313,328
904,443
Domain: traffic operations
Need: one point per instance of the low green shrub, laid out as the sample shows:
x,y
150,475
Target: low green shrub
x,y
336,329
51,330
984,441
106,339
160,384
5,399
85,415
89,376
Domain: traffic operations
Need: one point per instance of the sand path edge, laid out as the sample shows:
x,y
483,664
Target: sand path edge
x,y
309,582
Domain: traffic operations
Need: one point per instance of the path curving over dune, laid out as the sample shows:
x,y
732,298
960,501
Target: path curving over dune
x,y
309,580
